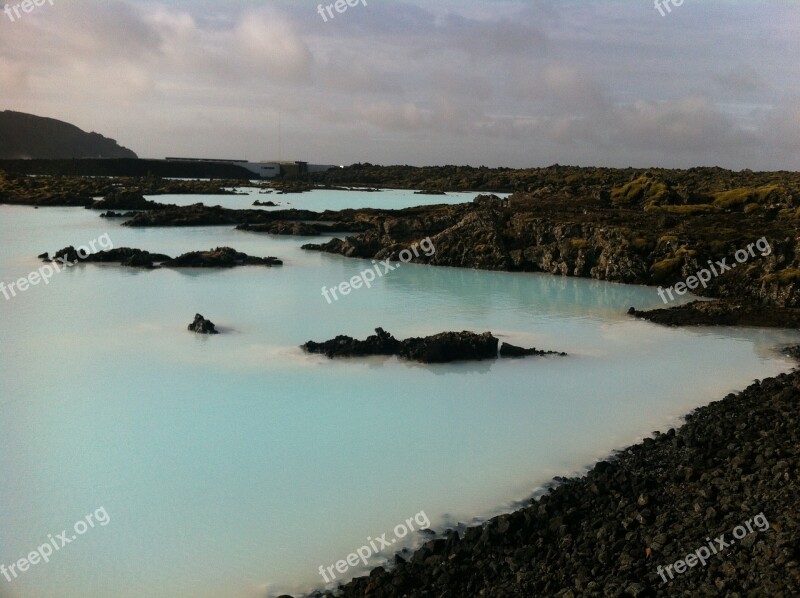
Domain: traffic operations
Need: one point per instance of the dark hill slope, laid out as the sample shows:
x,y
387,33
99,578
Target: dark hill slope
x,y
28,136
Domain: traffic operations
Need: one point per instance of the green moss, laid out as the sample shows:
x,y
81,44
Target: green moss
x,y
642,189
787,276
665,268
745,195
751,207
579,243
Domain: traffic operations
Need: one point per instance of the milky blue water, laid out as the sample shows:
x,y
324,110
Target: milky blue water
x,y
320,199
234,466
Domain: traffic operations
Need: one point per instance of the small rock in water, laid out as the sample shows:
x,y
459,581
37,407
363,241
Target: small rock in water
x,y
202,326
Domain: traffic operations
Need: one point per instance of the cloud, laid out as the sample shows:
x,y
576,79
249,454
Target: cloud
x,y
393,117
270,42
782,127
558,87
688,124
742,80
13,77
486,40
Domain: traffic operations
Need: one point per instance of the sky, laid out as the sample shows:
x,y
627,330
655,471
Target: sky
x,y
477,82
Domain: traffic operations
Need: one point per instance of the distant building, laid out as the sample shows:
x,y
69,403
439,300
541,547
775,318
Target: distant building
x,y
300,167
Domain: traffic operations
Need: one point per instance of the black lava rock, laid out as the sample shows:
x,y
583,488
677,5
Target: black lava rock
x,y
202,326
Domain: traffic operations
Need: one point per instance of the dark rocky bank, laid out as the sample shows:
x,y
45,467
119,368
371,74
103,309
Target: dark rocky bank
x,y
81,191
125,199
639,226
445,347
652,227
582,237
606,533
722,313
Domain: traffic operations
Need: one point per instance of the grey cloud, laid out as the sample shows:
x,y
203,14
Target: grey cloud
x,y
741,80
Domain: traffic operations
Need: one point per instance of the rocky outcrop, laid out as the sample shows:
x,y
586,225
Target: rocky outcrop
x,y
512,351
125,256
445,347
202,326
202,215
528,233
490,201
113,214
221,257
134,258
380,343
450,346
299,229
721,313
124,199
194,215
586,239
608,532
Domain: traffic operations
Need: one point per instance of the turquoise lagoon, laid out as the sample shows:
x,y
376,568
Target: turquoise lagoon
x,y
234,466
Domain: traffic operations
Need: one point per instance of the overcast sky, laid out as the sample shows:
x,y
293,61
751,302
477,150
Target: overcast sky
x,y
499,83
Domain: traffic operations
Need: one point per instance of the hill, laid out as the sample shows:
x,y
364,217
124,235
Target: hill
x,y
29,136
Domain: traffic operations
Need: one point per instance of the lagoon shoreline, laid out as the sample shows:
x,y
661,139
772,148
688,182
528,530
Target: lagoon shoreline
x,y
615,530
